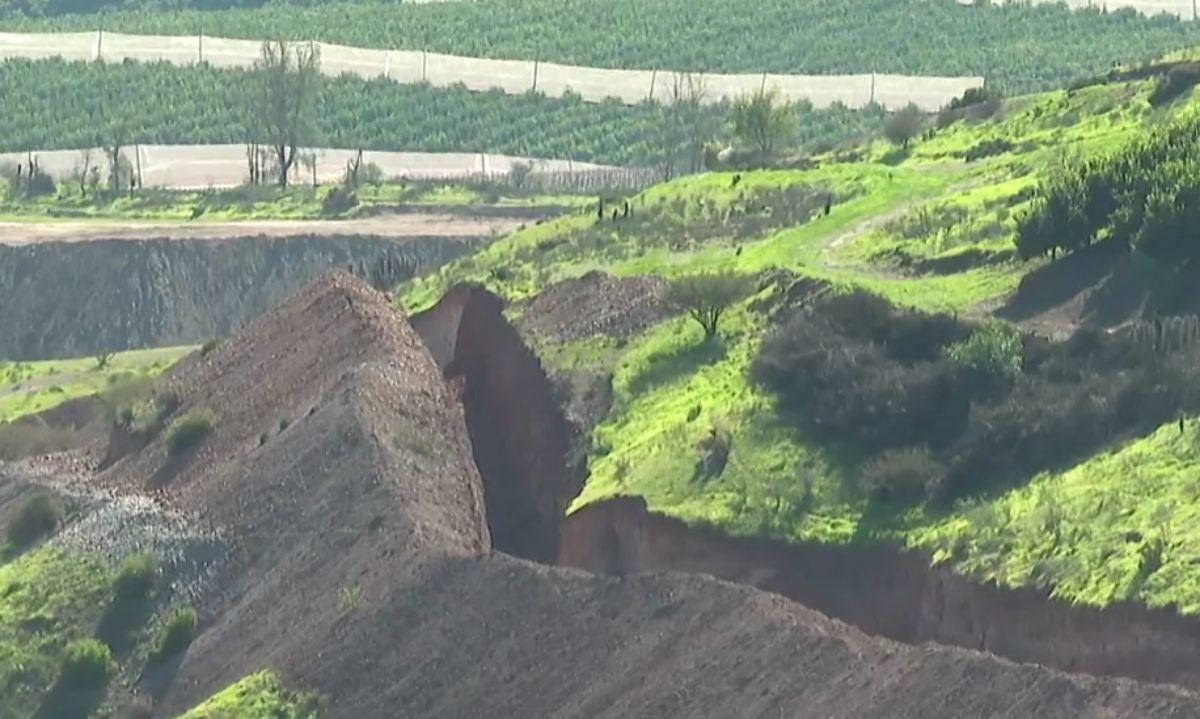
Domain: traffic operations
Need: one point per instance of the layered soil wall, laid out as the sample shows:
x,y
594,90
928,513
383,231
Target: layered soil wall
x,y
520,439
893,593
70,299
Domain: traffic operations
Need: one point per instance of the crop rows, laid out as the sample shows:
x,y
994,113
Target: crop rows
x,y
1017,47
52,104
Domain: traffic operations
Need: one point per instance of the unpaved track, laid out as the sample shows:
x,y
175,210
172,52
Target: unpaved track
x,y
393,226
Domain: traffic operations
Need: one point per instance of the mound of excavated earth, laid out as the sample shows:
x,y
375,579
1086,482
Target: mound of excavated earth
x,y
340,474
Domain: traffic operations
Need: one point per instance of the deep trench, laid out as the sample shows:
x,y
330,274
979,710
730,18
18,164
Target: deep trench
x,y
521,442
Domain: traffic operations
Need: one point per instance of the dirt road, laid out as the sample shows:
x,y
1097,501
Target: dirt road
x,y
394,226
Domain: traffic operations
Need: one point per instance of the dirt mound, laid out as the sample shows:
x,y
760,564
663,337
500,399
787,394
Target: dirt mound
x,y
360,561
595,304
1097,286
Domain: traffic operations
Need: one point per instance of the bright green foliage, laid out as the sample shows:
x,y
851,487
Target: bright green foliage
x,y
1121,525
994,348
1145,195
87,664
1019,48
186,432
29,387
258,696
48,599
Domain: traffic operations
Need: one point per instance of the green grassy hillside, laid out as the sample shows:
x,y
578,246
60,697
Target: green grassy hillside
x,y
1110,527
47,600
259,696
28,387
1018,48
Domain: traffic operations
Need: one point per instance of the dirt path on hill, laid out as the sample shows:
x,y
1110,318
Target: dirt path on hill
x,y
393,226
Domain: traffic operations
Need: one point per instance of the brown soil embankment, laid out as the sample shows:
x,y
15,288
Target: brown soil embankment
x,y
339,473
520,439
895,594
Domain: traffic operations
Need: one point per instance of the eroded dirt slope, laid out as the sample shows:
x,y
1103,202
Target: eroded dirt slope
x,y
361,566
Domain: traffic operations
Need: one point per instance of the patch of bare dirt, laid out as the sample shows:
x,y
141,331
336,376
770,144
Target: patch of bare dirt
x,y
394,226
595,304
339,472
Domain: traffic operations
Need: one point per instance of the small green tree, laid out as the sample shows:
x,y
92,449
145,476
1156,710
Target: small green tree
x,y
994,348
705,297
764,122
905,124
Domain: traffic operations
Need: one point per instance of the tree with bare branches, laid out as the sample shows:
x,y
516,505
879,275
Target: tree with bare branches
x,y
686,125
281,106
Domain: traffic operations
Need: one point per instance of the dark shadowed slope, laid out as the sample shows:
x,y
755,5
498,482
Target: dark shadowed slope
x,y
362,566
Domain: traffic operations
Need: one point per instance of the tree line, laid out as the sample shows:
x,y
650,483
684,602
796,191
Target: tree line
x,y
1145,195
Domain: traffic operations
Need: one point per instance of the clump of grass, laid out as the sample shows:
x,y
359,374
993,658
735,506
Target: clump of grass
x,y
37,518
86,664
176,634
188,431
208,347
135,581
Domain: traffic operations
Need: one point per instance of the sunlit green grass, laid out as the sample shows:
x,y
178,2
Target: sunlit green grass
x,y
30,387
1118,526
262,203
47,599
258,696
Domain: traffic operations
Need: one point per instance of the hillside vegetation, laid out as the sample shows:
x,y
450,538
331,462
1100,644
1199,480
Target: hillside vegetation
x,y
28,387
838,425
1018,48
163,103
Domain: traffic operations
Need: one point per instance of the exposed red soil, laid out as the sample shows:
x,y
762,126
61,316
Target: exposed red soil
x,y
896,594
371,487
520,440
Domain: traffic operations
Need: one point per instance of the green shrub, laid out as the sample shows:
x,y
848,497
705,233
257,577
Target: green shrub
x,y
136,579
208,346
176,634
37,518
902,475
994,349
87,664
188,431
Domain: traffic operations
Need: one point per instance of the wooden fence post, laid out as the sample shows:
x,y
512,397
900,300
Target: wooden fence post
x,y
424,66
653,78
535,75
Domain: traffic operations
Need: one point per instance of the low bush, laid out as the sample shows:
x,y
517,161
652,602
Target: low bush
x,y
987,148
1177,81
994,349
86,664
176,634
135,581
37,518
188,431
990,406
902,475
208,346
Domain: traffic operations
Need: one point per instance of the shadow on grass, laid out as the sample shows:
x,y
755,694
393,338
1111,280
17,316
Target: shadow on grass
x,y
159,673
121,621
682,361
63,702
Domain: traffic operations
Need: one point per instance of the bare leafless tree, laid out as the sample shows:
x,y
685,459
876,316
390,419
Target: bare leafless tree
x,y
281,106
687,127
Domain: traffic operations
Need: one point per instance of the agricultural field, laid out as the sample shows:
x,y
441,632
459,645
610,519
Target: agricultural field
x,y
1017,48
932,232
162,103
